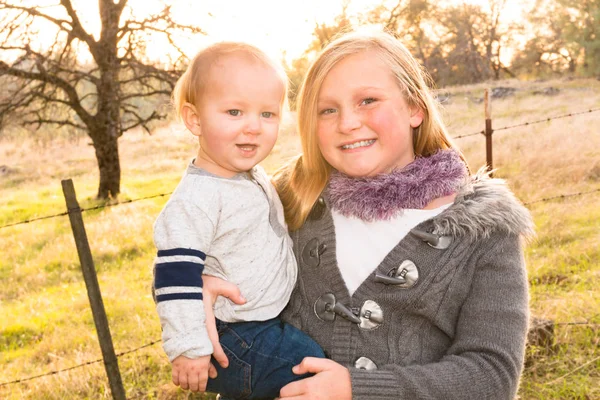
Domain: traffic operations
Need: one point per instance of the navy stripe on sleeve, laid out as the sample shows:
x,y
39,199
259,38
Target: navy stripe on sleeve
x,y
181,252
178,273
178,296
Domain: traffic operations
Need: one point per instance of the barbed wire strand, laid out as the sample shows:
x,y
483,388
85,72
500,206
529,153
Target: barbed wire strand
x,y
120,203
578,323
85,209
572,371
586,322
27,221
481,132
591,110
468,134
76,366
562,196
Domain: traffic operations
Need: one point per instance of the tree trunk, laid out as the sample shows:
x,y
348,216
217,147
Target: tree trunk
x,y
107,154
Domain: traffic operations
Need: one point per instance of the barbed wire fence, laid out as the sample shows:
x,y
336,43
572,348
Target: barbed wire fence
x,y
481,132
590,322
538,121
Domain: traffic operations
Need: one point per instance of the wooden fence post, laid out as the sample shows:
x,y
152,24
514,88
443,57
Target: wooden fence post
x,y
93,289
488,130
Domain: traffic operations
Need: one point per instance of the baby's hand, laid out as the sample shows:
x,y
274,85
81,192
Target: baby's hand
x,y
191,373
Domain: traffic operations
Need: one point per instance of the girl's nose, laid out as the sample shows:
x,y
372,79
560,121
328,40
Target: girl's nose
x,y
348,122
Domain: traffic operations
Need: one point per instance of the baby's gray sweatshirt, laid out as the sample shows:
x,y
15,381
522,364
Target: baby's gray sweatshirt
x,y
231,228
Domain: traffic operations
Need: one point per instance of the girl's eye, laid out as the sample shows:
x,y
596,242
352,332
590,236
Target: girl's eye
x,y
234,113
368,100
327,111
267,114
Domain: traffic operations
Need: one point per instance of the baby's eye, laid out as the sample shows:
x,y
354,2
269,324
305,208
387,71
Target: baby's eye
x,y
368,100
267,114
234,113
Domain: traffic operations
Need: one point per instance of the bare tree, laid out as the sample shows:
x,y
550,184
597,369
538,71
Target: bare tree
x,y
550,50
324,33
102,96
580,24
407,19
493,44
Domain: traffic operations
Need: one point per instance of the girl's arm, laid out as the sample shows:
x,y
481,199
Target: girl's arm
x,y
212,288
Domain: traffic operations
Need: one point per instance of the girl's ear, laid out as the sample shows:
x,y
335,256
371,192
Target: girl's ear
x,y
191,119
416,117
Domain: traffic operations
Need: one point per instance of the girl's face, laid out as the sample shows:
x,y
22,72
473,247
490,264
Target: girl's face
x,y
364,125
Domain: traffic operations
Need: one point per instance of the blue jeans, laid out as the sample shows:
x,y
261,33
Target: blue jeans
x,y
261,356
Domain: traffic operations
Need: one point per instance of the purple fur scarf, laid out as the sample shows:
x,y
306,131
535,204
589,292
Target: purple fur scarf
x,y
381,197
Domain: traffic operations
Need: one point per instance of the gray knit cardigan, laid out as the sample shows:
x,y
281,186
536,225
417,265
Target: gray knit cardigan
x,y
457,332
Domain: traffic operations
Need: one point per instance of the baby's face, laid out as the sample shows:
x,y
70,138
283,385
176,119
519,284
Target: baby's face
x,y
239,113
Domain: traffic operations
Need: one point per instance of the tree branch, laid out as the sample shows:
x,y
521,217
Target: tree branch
x,y
76,27
143,122
60,122
35,13
69,90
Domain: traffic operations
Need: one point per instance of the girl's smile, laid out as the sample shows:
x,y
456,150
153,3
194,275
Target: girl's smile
x,y
358,144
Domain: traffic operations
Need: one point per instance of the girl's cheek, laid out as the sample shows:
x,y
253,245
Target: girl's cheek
x,y
382,120
323,132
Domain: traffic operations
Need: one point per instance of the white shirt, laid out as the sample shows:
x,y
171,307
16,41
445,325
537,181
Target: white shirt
x,y
361,246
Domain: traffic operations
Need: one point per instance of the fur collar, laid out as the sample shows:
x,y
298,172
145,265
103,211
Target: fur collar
x,y
384,196
483,206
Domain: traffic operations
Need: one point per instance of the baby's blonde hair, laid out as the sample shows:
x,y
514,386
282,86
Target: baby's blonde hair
x,y
300,182
190,86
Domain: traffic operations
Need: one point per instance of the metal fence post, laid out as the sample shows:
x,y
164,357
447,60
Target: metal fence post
x,y
488,130
93,290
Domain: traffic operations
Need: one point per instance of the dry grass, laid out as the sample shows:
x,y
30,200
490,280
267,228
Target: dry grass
x,y
45,322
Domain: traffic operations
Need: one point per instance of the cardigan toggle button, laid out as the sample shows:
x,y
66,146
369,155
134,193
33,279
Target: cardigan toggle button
x,y
365,363
312,251
435,241
326,308
369,316
404,276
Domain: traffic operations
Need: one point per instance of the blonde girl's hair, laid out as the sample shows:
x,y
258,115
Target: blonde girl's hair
x,y
301,181
190,86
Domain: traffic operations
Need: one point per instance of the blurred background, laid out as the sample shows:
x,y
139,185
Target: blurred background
x,y
85,95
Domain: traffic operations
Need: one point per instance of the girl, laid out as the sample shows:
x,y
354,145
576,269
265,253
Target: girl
x,y
411,272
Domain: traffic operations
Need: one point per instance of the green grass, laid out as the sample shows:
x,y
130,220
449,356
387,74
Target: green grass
x,y
45,319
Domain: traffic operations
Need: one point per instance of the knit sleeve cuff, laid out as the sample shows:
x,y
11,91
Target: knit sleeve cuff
x,y
379,384
193,345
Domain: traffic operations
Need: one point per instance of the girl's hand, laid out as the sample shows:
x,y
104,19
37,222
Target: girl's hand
x,y
212,288
332,381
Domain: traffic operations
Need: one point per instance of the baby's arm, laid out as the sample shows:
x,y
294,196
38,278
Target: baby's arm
x,y
182,233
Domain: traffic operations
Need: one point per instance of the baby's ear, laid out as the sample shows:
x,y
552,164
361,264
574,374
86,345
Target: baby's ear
x,y
191,119
416,117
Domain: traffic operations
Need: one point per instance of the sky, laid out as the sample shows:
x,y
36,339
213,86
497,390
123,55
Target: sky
x,y
279,26
276,26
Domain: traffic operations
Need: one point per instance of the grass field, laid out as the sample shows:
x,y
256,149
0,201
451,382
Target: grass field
x,y
45,319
